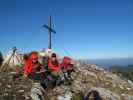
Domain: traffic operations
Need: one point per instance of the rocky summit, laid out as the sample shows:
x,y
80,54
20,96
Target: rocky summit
x,y
85,78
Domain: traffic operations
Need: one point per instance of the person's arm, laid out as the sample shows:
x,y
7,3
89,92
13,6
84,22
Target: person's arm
x,y
36,67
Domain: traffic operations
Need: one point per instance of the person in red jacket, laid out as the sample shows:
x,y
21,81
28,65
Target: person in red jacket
x,y
53,63
67,67
66,63
54,68
32,65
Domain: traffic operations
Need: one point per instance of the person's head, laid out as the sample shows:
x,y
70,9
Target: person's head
x,y
67,60
25,57
34,57
53,57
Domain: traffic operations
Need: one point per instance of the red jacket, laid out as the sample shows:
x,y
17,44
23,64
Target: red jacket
x,y
66,63
52,66
29,66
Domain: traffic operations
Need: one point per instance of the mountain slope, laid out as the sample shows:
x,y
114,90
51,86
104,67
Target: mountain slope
x,y
86,78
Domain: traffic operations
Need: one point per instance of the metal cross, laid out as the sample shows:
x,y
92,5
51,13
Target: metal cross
x,y
50,30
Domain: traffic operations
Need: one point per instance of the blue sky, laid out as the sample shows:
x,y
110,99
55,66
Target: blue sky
x,y
85,28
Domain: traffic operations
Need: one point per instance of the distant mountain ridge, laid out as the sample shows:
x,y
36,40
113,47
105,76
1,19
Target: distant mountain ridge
x,y
126,72
110,62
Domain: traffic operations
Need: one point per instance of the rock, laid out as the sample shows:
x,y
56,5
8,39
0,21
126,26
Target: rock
x,y
5,94
8,86
121,87
67,96
106,94
37,92
20,91
88,73
27,97
128,88
130,83
127,97
0,84
114,85
12,73
3,80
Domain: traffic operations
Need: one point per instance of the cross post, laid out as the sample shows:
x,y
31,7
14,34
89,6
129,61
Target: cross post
x,y
50,30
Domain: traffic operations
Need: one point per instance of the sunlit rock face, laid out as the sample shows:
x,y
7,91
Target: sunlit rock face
x,y
86,78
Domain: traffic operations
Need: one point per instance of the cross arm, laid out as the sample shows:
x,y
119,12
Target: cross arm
x,y
49,28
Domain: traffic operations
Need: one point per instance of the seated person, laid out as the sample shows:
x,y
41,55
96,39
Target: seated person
x,y
67,67
53,63
66,64
54,68
32,66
